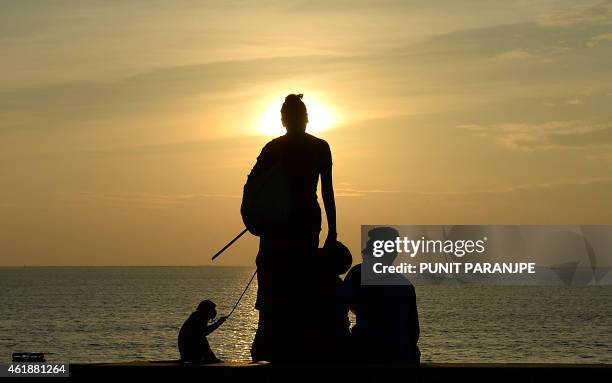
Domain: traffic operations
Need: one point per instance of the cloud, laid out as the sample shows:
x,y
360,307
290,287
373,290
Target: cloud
x,y
143,199
513,55
147,93
565,201
346,189
545,136
352,191
596,40
443,65
603,37
599,13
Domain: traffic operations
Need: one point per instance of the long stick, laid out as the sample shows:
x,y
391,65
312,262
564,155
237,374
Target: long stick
x,y
245,290
229,244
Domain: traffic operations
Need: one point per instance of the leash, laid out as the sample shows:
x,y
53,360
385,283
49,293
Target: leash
x,y
242,295
250,280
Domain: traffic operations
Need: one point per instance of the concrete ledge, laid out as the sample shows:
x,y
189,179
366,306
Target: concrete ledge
x,y
347,372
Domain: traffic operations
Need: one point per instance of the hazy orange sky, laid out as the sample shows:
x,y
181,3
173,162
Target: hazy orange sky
x,y
127,128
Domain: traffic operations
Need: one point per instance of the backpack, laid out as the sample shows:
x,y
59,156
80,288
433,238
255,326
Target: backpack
x,y
266,201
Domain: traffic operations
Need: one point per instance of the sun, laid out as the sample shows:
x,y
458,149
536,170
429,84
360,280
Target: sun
x,y
320,118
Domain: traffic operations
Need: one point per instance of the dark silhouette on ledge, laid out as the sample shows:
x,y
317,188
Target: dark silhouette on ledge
x,y
329,331
387,321
280,205
192,342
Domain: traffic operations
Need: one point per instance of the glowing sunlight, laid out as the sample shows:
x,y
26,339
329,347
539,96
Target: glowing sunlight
x,y
319,118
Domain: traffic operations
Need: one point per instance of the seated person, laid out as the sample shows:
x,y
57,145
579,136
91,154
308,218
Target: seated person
x,y
329,332
192,342
387,321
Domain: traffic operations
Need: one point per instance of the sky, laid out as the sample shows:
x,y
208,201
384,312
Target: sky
x,y
127,128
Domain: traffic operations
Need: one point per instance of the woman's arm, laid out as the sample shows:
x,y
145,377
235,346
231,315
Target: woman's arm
x,y
327,191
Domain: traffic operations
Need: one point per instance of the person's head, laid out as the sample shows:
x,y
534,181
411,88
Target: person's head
x,y
207,309
380,234
336,259
293,114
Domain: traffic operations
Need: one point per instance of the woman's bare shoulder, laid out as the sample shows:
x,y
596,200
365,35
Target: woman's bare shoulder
x,y
319,142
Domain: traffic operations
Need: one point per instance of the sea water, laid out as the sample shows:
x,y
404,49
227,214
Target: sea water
x,y
104,314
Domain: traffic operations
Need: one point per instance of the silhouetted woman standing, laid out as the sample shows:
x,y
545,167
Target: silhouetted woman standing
x,y
286,254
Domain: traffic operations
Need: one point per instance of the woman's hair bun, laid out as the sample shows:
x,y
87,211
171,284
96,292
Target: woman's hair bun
x,y
294,107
